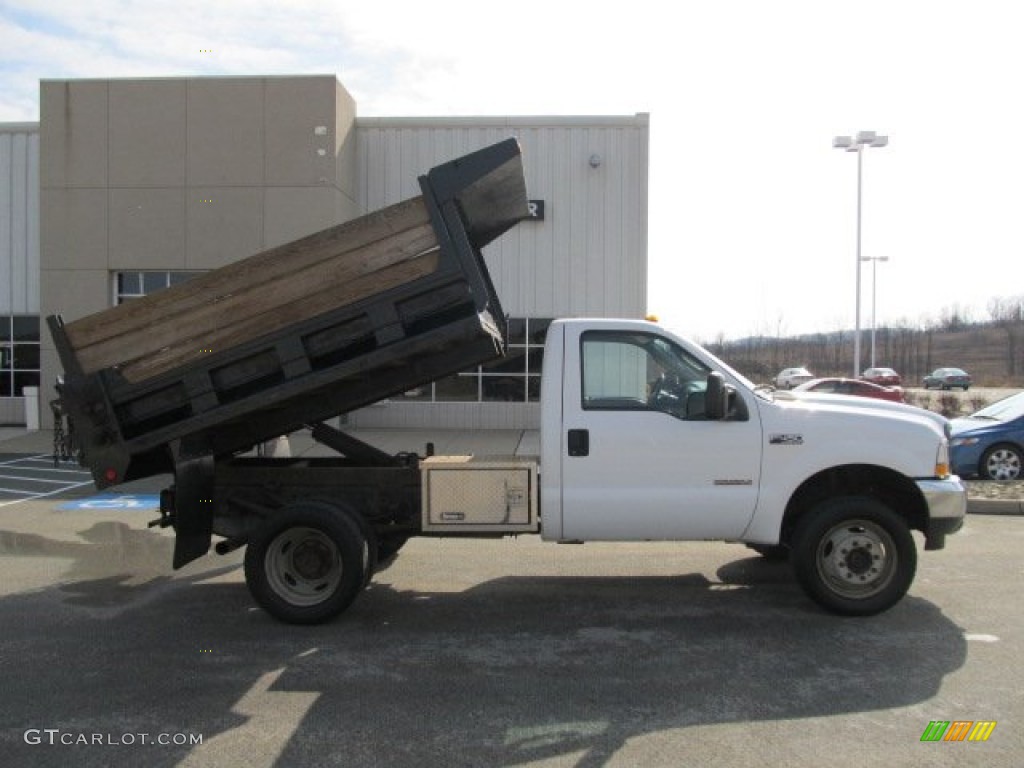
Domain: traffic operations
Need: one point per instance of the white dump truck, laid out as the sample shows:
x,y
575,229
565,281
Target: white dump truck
x,y
645,436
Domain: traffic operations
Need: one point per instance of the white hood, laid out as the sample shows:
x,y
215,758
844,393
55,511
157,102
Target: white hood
x,y
868,403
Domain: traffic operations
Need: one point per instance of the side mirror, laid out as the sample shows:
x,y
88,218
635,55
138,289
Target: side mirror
x,y
721,401
715,404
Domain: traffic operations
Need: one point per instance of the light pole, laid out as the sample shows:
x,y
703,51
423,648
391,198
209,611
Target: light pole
x,y
874,295
857,144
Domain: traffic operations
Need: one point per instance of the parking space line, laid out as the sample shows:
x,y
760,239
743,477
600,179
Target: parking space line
x,y
44,495
22,478
45,464
23,468
26,458
39,478
45,460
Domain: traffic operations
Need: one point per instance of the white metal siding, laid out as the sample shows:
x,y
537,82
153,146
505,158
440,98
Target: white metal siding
x,y
19,219
587,258
589,255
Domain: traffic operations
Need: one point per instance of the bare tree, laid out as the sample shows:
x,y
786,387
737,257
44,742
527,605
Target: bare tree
x,y
1008,314
954,318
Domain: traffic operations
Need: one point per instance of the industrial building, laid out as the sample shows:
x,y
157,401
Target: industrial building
x,y
19,267
128,186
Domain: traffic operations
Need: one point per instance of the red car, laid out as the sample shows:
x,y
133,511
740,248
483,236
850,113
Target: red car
x,y
887,377
852,387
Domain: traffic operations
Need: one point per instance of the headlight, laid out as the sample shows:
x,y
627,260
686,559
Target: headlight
x,y
958,441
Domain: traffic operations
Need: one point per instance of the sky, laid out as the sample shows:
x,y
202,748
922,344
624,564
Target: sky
x,y
752,213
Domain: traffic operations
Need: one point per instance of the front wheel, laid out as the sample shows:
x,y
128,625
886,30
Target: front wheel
x,y
307,564
854,556
1000,462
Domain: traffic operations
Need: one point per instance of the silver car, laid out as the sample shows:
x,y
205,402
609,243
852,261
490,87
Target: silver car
x,y
790,377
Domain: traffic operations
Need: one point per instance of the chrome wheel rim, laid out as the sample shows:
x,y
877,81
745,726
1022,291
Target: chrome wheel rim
x,y
303,566
1003,464
857,559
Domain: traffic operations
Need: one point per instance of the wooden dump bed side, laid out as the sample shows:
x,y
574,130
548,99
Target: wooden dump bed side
x,y
259,295
296,334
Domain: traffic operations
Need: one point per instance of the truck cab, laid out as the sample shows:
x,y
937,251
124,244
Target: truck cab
x,y
647,436
630,448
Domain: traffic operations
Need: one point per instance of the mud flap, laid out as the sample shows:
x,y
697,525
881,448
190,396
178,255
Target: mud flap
x,y
193,502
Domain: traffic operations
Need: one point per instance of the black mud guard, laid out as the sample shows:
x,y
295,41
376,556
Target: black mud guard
x,y
194,506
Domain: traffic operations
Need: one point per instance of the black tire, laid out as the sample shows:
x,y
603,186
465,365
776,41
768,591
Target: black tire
x,y
854,556
773,552
1001,462
308,563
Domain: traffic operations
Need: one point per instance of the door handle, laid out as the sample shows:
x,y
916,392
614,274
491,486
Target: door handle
x,y
579,442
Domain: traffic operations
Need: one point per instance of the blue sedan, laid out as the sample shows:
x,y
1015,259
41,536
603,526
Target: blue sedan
x,y
990,443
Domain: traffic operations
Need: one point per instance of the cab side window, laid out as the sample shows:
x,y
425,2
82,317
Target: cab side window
x,y
624,371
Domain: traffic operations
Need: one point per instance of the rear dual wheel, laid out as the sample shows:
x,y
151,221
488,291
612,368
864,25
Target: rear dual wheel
x,y
308,563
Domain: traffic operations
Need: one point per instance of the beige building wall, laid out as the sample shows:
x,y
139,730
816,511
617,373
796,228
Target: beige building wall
x,y
182,174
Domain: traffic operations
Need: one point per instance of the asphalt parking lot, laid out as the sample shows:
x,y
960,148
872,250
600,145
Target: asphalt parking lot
x,y
35,475
495,653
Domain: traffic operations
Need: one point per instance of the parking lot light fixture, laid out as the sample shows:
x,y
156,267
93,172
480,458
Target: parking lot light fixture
x,y
857,144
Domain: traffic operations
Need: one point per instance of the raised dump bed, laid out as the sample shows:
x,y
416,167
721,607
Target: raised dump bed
x,y
296,334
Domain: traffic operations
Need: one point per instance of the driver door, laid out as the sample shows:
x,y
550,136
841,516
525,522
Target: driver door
x,y
639,459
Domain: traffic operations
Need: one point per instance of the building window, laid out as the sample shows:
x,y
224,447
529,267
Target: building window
x,y
19,354
133,285
514,378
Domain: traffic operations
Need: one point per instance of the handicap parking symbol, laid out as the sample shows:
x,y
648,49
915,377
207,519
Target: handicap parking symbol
x,y
115,501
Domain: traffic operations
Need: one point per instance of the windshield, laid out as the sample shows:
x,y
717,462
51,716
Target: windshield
x,y
1006,409
718,364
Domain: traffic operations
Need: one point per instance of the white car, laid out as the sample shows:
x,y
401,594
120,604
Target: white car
x,y
790,377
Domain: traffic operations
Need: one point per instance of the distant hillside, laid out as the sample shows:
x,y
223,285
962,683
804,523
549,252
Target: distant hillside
x,y
993,355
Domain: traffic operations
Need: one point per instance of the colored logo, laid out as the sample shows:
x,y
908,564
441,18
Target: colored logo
x,y
958,730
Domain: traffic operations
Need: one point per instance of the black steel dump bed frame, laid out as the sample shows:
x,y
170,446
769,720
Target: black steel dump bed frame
x,y
221,402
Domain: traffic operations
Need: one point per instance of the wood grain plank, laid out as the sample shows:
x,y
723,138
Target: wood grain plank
x,y
232,301
266,267
187,350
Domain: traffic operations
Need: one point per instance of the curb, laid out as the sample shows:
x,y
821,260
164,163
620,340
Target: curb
x,y
994,506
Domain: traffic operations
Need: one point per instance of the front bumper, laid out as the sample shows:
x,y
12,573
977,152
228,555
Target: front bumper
x,y
947,506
